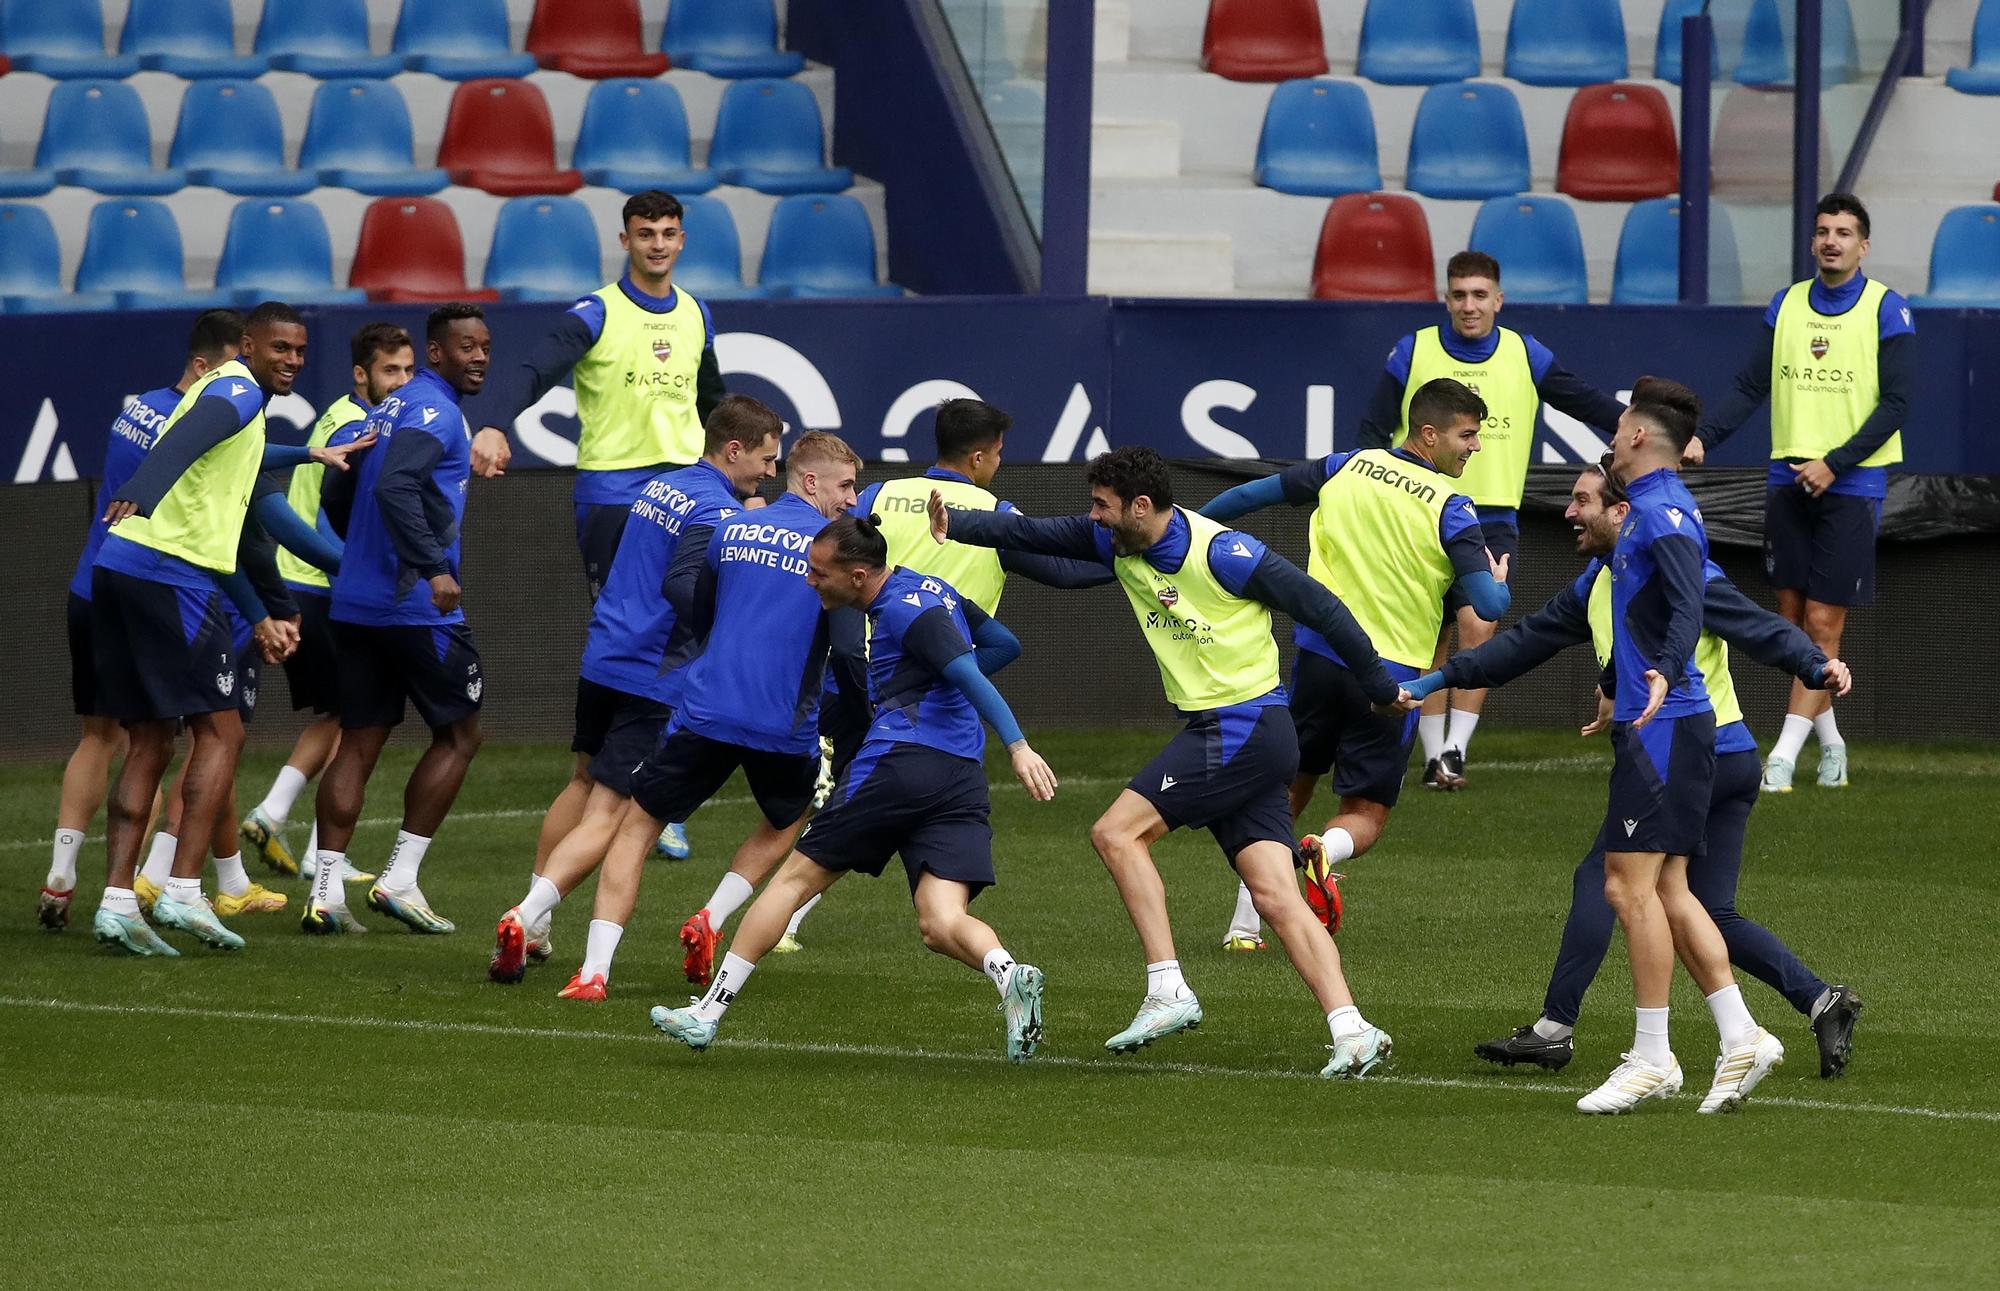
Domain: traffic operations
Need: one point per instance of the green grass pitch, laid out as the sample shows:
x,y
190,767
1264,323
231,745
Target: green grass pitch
x,y
371,1111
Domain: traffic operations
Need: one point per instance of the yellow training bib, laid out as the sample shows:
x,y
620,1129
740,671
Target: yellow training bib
x,y
1824,381
1375,543
201,518
1498,472
906,527
1214,647
1711,653
303,493
635,388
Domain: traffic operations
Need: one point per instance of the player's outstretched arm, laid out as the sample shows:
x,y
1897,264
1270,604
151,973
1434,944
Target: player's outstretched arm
x,y
1253,495
1029,768
1281,585
1770,639
286,456
513,388
1751,387
1563,622
295,535
1072,536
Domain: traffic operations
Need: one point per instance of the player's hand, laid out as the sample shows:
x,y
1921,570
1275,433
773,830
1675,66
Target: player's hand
x,y
1656,694
1602,722
1032,772
940,518
336,455
491,452
276,639
119,510
444,593
1694,453
1836,677
1815,477
1499,567
1404,702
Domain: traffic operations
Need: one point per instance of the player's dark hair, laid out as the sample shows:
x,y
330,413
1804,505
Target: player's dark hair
x,y
1472,264
271,311
966,425
742,420
1613,487
438,325
1441,401
1844,204
377,338
213,332
653,204
1668,406
857,540
1131,472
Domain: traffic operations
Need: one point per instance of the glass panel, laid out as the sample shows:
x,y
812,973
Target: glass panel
x,y
1004,44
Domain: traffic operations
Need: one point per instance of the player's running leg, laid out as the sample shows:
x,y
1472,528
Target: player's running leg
x,y
217,740
1123,838
572,859
1355,827
342,792
759,853
235,892
128,812
948,927
1358,1048
86,781
1749,1052
264,828
790,941
1549,1042
433,786
1648,1070
623,865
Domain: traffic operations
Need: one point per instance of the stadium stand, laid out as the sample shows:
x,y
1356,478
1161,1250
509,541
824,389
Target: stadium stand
x,y
1982,74
1374,246
229,137
186,38
1667,41
132,253
27,182
411,251
62,41
327,39
30,258
711,265
1263,40
1965,261
1419,44
1468,141
595,39
1767,45
499,138
820,244
1318,140
1566,42
768,137
96,136
733,38
279,250
1648,268
461,41
635,136
544,248
358,137
1537,242
1619,145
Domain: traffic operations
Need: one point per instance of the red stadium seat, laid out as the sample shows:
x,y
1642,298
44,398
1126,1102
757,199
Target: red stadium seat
x,y
1374,246
1263,40
1619,145
498,137
597,39
410,251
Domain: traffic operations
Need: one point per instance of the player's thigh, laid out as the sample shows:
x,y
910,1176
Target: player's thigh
x,y
82,659
950,834
1788,538
1843,550
596,705
442,673
684,771
1322,706
1662,777
599,527
631,732
781,784
312,674
1370,751
162,651
1713,870
370,677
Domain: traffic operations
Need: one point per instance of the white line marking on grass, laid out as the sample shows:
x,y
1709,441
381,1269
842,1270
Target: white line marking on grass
x,y
1105,1065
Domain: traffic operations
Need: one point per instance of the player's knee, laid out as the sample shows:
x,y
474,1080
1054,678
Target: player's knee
x,y
1823,623
1106,836
935,929
463,738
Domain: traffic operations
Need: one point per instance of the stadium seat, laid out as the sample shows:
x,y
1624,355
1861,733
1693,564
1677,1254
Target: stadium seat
x,y
498,137
62,40
597,39
26,183
30,257
1419,44
462,40
1539,248
410,251
229,137
1667,50
358,137
1468,141
191,39
1983,75
820,244
1263,40
634,136
711,263
95,136
544,248
1648,268
279,251
732,38
1618,145
768,137
1566,42
1318,140
132,253
1374,246
327,39
1767,45
1965,260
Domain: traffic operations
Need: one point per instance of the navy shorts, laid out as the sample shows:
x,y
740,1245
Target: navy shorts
x,y
312,674
599,526
1501,540
162,652
618,730
1662,777
381,666
82,662
1228,771
686,769
1340,731
249,671
1823,546
926,805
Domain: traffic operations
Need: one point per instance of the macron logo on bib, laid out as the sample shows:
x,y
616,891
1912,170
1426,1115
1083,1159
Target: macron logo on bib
x,y
914,599
1674,514
236,388
430,415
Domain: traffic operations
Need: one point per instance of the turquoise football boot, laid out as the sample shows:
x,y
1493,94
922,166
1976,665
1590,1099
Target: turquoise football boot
x,y
1356,1055
696,1033
130,934
1157,1019
195,917
673,842
1022,1005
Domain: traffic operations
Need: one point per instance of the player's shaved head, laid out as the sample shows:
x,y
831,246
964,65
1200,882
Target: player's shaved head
x,y
215,336
458,345
274,345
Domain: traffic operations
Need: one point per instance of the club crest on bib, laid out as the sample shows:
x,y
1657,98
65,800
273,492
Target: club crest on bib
x,y
1169,595
663,349
1819,347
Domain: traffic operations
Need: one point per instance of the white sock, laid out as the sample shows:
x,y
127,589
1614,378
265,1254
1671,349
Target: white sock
x,y
1548,1030
1164,981
722,992
542,899
400,874
799,915
1732,1017
62,861
327,890
277,804
1430,731
1828,730
999,967
120,901
1792,738
1246,918
730,894
183,891
1337,844
1345,1021
599,947
160,859
1463,724
229,875
1649,1039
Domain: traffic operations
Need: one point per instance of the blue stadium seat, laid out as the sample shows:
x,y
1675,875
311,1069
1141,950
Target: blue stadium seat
x,y
358,137
1468,141
1667,49
460,40
544,248
229,137
1566,42
25,183
1983,76
1767,45
96,136
327,39
634,136
1648,269
62,40
1318,140
192,39
768,137
279,251
727,38
820,244
1539,248
1965,260
30,257
132,251
711,263
1419,44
